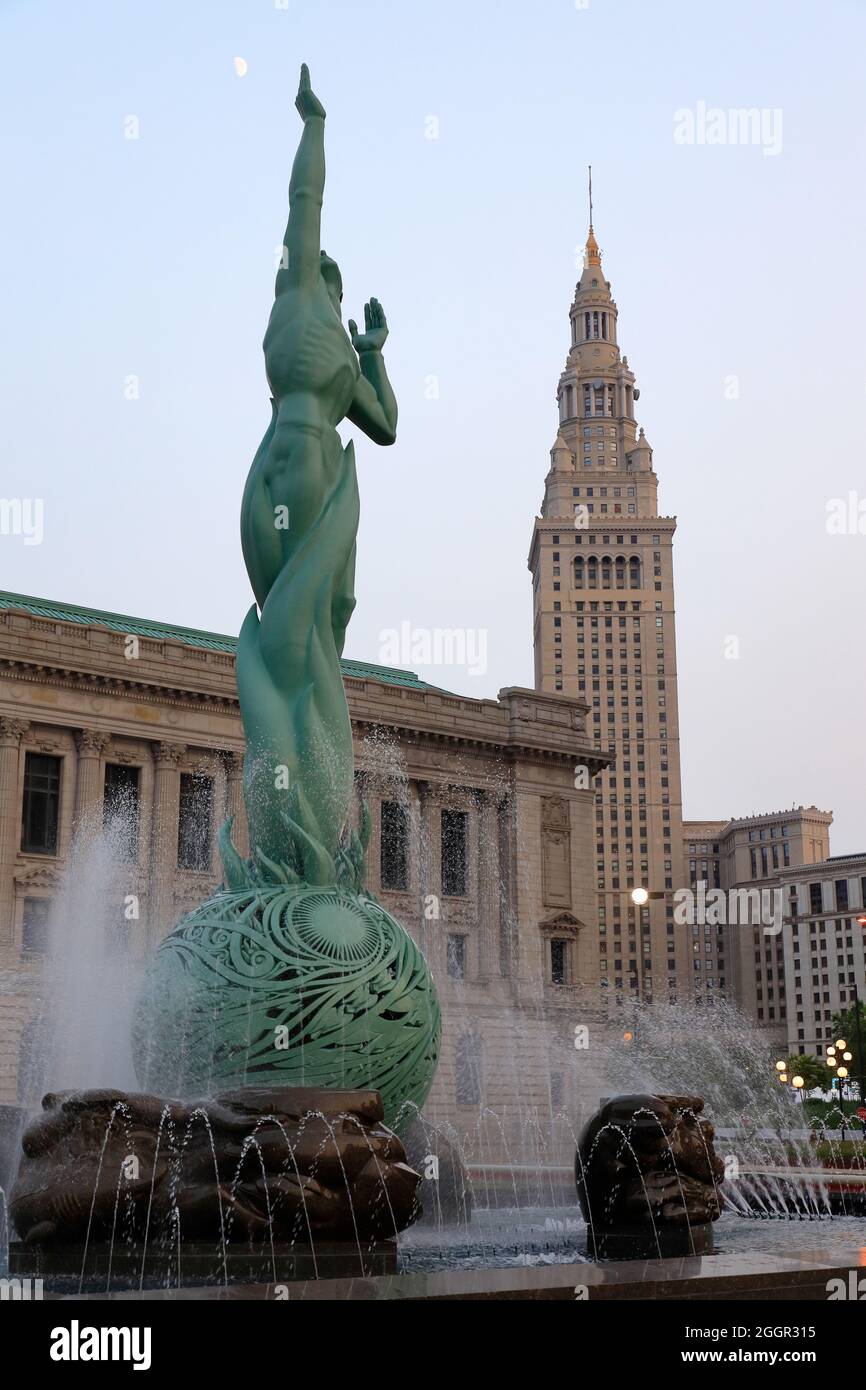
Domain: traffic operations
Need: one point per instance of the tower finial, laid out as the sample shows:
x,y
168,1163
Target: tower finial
x,y
592,255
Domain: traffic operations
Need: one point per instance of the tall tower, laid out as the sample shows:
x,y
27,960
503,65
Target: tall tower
x,y
602,571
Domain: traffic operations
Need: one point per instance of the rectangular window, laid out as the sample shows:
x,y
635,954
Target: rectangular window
x,y
40,813
120,806
841,895
816,902
559,961
454,857
34,932
394,847
469,1063
457,957
195,821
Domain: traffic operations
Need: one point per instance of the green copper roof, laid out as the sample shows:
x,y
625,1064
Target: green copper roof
x,y
53,611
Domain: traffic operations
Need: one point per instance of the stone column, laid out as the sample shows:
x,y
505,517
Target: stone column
x,y
11,733
89,779
234,770
164,825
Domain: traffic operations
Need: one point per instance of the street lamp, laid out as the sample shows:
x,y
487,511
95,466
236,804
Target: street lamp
x,y
798,1082
861,1066
639,897
833,1060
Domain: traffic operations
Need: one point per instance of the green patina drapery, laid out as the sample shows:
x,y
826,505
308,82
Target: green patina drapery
x,y
293,971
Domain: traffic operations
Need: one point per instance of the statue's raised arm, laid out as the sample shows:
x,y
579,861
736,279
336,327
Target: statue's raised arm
x,y
302,242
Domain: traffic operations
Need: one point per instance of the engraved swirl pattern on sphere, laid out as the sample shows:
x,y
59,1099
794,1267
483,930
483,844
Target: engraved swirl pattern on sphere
x,y
332,973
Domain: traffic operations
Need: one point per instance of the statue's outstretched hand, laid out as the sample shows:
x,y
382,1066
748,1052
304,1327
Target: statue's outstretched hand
x,y
306,101
376,329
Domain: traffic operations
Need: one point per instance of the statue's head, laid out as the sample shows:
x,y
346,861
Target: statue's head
x,y
330,273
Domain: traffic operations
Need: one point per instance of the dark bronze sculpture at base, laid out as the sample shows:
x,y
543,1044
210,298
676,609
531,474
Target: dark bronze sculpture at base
x,y
647,1178
282,1164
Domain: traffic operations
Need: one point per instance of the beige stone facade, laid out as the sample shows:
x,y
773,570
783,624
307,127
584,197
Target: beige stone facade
x,y
738,959
485,789
824,947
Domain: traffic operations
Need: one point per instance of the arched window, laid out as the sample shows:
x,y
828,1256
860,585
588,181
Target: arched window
x,y
634,572
469,1069
605,572
578,572
592,572
620,571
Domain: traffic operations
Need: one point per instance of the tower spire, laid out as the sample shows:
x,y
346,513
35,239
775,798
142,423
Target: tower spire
x,y
592,255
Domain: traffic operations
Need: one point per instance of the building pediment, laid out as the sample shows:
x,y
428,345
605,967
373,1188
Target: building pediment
x,y
563,922
37,876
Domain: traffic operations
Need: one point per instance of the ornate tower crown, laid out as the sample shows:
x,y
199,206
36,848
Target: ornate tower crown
x,y
592,255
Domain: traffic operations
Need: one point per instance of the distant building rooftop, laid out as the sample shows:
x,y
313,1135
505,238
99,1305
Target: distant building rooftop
x,y
52,610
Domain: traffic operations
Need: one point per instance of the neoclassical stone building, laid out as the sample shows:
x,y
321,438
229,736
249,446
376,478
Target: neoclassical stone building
x,y
481,843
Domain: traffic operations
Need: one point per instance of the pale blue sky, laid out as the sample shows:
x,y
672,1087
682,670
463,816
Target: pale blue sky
x,y
155,258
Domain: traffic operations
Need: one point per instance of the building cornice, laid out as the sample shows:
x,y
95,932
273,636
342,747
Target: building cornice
x,y
534,726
